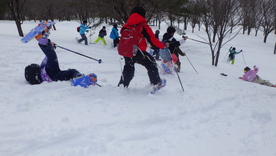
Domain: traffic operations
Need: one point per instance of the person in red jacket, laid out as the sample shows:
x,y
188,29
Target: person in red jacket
x,y
142,57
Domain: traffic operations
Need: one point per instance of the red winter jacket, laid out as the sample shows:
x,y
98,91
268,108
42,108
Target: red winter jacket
x,y
146,32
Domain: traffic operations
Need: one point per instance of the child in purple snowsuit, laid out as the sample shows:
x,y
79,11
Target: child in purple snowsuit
x,y
50,65
251,76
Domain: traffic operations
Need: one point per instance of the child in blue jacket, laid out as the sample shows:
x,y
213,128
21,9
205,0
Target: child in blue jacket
x,y
82,31
114,35
232,54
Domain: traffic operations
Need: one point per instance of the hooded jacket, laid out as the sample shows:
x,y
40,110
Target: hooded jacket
x,y
250,75
114,33
167,37
145,32
83,28
102,33
233,53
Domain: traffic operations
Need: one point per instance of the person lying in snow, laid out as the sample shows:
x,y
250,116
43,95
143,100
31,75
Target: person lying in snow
x,y
49,68
251,76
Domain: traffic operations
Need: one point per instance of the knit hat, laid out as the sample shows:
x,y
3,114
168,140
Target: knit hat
x,y
170,30
84,21
139,10
115,25
103,27
235,49
247,69
157,32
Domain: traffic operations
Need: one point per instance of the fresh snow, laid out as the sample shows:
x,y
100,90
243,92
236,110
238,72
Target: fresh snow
x,y
215,116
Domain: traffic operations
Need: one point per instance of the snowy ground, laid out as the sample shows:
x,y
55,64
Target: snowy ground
x,y
215,116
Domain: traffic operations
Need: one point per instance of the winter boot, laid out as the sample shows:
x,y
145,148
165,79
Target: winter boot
x,y
158,86
83,81
93,79
178,66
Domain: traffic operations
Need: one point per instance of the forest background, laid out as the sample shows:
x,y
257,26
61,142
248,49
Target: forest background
x,y
218,18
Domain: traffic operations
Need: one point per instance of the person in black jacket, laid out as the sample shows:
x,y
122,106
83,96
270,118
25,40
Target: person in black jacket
x,y
174,44
101,35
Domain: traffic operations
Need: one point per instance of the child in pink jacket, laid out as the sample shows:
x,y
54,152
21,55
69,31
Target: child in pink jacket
x,y
251,76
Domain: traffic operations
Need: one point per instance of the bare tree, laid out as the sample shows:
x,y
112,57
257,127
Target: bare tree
x,y
195,14
268,13
275,48
218,21
16,9
249,9
3,9
120,10
159,17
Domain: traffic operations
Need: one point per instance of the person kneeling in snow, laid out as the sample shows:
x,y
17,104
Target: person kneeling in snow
x,y
251,76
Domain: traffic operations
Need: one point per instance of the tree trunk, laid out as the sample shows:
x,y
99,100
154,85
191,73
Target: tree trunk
x,y
265,37
243,30
275,48
249,31
54,27
16,9
217,57
213,57
185,25
220,40
214,34
19,28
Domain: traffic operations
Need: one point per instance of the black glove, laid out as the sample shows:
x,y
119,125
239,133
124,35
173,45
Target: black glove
x,y
89,27
55,46
185,37
181,53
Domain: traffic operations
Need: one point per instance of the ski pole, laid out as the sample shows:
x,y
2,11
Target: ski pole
x,y
243,58
191,64
179,78
226,55
100,61
199,41
90,36
121,68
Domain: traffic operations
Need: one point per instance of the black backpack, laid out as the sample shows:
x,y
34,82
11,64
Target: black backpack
x,y
231,56
32,74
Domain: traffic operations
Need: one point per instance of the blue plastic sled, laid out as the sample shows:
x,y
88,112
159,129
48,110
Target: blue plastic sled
x,y
36,31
